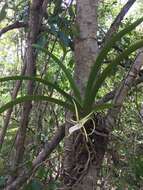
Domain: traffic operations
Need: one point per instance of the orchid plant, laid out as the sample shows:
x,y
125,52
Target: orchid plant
x,y
81,107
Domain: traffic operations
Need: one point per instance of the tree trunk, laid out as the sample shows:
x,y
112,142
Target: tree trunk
x,y
35,20
82,160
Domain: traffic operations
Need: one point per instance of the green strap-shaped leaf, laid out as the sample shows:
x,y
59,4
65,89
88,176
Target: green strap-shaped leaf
x,y
107,71
35,98
69,77
67,73
3,12
102,55
43,81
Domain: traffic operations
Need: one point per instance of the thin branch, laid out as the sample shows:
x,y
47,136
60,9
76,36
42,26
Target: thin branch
x,y
34,25
116,23
50,146
122,91
9,112
109,96
15,25
43,155
35,20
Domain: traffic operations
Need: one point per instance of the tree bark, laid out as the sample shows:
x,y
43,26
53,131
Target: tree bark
x,y
86,50
82,161
116,23
123,90
37,10
34,28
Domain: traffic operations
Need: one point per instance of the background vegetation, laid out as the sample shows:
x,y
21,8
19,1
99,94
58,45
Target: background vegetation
x,y
123,163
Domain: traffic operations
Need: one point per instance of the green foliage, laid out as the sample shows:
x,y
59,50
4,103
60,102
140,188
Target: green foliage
x,y
137,165
3,12
35,98
70,79
108,70
94,74
2,181
95,81
42,81
56,37
34,185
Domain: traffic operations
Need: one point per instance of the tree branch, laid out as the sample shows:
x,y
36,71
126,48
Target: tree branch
x,y
43,155
115,25
9,112
15,25
109,96
34,25
122,91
